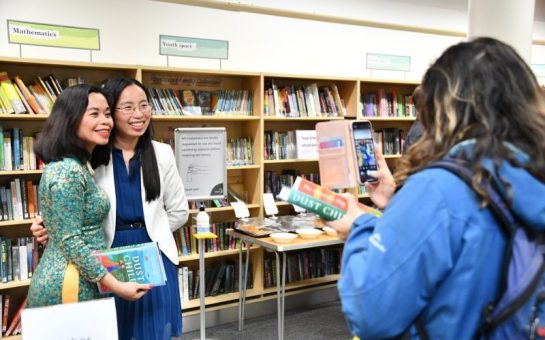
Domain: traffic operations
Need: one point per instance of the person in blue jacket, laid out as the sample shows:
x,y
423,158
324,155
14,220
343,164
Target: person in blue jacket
x,y
436,254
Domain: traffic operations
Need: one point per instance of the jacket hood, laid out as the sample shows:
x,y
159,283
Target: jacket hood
x,y
527,192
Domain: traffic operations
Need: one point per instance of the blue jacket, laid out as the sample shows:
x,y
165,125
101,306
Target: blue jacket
x,y
435,253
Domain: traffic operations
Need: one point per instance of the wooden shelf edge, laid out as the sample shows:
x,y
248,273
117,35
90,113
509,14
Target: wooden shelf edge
x,y
222,298
20,172
176,118
212,254
14,284
285,119
15,222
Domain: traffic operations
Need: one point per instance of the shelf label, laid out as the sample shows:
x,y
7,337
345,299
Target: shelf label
x,y
193,47
31,33
388,62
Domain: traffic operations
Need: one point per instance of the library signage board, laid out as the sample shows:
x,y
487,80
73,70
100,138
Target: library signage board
x,y
201,160
170,45
32,33
71,321
388,62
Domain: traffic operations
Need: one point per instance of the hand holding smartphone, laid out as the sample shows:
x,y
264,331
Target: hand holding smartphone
x,y
364,150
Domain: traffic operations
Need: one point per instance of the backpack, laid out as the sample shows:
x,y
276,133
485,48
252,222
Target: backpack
x,y
519,310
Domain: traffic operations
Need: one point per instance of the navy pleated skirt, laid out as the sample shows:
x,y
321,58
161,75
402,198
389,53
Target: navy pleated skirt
x,y
158,314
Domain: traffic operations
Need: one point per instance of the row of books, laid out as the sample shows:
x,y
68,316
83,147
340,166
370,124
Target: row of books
x,y
391,139
35,98
296,144
302,101
215,203
196,103
219,278
19,200
239,151
387,104
187,244
10,315
275,181
17,151
304,265
18,258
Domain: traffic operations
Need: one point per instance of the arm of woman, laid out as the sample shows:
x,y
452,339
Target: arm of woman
x,y
396,261
174,197
67,223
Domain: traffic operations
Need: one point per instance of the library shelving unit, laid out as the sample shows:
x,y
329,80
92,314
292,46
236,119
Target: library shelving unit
x,y
247,181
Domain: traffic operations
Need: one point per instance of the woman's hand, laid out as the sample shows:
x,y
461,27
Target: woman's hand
x,y
382,190
130,291
344,224
39,231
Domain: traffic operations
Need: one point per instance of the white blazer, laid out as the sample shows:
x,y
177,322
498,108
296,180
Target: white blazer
x,y
165,214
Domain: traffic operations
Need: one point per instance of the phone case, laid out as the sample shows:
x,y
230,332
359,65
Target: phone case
x,y
335,153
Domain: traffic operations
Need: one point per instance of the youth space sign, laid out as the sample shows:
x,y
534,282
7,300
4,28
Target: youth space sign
x,y
201,155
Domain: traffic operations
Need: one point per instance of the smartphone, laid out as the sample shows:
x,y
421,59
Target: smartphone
x,y
364,150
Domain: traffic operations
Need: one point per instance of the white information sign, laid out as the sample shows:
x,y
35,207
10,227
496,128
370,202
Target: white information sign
x,y
201,155
93,320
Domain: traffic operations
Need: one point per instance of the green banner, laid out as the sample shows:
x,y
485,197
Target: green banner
x,y
193,47
388,62
31,33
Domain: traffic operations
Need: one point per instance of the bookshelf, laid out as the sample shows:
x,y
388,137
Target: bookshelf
x,y
247,180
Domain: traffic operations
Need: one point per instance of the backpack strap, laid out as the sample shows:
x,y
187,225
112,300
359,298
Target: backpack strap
x,y
509,225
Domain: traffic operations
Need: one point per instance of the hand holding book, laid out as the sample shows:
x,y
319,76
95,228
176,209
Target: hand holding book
x,y
327,204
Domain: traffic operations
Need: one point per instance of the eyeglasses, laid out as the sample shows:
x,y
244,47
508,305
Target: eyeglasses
x,y
130,108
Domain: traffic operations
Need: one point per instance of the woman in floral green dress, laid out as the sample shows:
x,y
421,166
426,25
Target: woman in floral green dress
x,y
72,205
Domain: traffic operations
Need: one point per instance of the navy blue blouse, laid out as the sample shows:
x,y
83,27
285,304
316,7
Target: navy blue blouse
x,y
128,192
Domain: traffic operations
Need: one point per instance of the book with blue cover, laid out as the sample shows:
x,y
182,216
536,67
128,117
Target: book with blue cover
x,y
141,263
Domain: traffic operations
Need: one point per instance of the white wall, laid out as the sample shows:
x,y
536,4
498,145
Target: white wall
x,y
129,32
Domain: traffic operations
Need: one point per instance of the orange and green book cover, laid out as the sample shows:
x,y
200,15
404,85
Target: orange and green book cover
x,y
140,263
328,204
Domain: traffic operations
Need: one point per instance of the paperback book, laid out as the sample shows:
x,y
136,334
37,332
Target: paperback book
x,y
141,263
328,204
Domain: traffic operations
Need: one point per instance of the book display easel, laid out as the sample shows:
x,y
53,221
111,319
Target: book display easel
x,y
257,110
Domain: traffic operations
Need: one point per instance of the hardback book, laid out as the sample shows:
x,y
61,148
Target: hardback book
x,y
328,204
141,263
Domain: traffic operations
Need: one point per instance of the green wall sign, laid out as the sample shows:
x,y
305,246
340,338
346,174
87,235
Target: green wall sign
x,y
31,33
193,47
388,62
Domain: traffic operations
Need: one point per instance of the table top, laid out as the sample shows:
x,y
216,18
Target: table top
x,y
297,243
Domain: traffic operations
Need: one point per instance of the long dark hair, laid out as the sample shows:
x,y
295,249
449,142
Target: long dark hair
x,y
148,159
481,90
59,138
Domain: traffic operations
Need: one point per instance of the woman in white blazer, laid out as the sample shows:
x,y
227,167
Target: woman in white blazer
x,y
148,203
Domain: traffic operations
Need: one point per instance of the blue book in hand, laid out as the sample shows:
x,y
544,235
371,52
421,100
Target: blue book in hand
x,y
141,263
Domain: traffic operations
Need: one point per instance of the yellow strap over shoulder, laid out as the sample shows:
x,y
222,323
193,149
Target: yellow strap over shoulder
x,y
70,284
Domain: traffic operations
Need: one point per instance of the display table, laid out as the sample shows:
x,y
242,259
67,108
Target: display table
x,y
280,250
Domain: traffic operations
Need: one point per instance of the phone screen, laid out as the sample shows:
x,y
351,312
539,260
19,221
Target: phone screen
x,y
365,150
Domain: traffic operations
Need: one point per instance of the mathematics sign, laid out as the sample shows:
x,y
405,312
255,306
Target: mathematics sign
x,y
31,33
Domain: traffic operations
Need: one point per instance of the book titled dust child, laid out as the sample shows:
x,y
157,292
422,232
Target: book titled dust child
x,y
141,263
328,204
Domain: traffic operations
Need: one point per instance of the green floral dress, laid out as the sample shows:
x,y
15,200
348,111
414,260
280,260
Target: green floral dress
x,y
73,208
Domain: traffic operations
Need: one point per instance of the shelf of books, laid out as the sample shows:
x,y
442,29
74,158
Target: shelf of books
x,y
292,107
